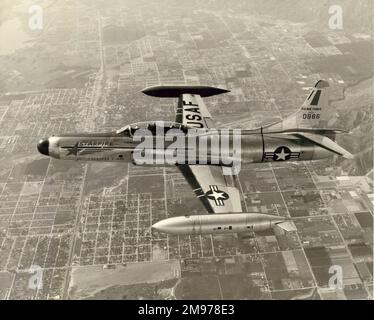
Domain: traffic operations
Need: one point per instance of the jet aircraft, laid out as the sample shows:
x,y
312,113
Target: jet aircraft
x,y
302,136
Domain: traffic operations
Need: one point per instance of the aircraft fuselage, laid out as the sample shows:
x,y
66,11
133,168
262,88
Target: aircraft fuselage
x,y
213,147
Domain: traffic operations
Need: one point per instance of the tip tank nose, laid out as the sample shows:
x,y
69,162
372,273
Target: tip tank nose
x,y
159,226
174,225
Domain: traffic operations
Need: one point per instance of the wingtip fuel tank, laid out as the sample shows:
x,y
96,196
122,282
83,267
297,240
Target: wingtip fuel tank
x,y
218,223
174,91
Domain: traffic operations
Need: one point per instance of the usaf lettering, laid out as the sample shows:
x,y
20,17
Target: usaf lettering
x,y
149,310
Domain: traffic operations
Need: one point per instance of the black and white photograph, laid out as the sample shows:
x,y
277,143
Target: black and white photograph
x,y
209,151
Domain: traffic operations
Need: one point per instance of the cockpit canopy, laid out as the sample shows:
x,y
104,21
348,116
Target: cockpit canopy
x,y
130,129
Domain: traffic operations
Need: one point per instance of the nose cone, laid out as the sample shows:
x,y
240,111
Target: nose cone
x,y
161,226
175,225
43,147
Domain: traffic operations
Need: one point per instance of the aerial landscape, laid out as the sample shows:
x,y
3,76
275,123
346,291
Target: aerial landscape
x,y
86,226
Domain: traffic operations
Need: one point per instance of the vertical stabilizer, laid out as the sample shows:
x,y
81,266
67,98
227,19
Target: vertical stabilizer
x,y
313,114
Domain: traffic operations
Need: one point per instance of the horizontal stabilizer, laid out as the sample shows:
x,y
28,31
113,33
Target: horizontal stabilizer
x,y
287,226
177,90
327,143
323,131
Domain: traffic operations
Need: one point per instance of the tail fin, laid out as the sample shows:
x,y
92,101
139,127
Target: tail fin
x,y
311,121
313,114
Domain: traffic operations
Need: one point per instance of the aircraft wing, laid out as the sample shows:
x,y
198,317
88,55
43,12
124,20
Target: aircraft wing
x,y
217,192
192,111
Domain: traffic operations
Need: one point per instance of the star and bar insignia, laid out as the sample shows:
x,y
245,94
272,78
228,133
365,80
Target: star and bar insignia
x,y
73,150
282,154
217,195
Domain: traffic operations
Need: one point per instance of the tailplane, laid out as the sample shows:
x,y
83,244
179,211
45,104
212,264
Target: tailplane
x,y
326,143
287,226
311,121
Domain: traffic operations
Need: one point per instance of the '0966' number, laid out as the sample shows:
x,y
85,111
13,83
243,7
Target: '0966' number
x,y
311,116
